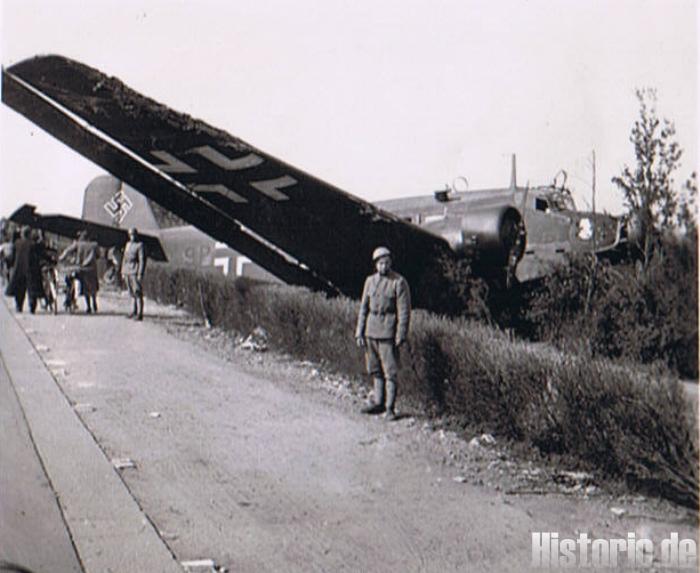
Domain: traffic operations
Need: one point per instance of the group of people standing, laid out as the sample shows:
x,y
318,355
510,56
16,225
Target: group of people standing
x,y
25,259
382,323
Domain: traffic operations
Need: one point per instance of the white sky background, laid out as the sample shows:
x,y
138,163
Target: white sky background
x,y
383,99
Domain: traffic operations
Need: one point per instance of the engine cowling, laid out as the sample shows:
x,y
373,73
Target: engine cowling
x,y
494,236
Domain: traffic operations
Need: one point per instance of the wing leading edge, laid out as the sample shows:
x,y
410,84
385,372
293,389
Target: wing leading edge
x,y
299,228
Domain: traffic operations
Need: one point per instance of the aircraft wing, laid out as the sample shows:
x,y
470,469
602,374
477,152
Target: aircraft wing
x,y
104,235
299,228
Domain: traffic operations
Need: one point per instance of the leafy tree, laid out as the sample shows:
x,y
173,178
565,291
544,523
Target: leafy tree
x,y
686,219
648,188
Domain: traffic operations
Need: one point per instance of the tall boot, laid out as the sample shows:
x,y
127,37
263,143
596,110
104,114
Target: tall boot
x,y
390,399
19,301
378,406
139,306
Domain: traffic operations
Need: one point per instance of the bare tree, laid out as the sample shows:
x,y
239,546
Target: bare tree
x,y
648,188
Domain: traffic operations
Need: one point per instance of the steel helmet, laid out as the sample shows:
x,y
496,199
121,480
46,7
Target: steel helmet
x,y
380,252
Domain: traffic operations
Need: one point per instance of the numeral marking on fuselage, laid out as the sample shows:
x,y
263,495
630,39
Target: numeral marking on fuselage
x,y
271,188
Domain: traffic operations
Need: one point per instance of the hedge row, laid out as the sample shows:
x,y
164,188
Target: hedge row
x,y
600,413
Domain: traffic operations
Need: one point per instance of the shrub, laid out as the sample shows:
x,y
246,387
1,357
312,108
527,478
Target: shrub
x,y
622,312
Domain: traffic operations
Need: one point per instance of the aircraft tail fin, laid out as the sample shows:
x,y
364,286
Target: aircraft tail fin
x,y
108,201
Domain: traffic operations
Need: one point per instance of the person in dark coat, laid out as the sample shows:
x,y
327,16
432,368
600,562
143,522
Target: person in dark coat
x,y
25,277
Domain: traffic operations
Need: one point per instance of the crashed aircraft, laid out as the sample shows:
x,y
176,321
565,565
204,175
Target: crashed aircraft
x,y
297,227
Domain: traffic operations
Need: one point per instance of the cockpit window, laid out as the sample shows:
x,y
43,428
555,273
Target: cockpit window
x,y
541,204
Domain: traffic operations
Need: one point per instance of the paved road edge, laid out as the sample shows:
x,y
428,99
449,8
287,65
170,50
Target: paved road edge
x,y
109,529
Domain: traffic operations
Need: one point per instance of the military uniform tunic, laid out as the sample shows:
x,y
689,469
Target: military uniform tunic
x,y
133,267
385,308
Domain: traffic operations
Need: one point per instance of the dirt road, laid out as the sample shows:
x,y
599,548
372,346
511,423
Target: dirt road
x,y
261,472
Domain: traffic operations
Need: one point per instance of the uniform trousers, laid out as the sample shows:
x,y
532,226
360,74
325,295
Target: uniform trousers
x,y
382,358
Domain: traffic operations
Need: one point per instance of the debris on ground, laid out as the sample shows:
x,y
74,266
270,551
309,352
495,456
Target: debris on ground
x,y
60,372
482,440
154,414
618,511
84,408
573,480
168,536
202,566
256,340
123,463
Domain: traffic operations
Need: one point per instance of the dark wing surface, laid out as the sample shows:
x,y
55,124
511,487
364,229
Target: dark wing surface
x,y
104,235
299,228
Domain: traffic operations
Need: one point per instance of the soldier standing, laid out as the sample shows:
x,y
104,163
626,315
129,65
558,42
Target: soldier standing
x,y
133,267
382,327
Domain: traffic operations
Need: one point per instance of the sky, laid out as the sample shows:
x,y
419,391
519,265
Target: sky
x,y
383,99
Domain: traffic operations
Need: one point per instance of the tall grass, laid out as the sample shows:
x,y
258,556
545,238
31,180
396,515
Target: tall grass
x,y
610,418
